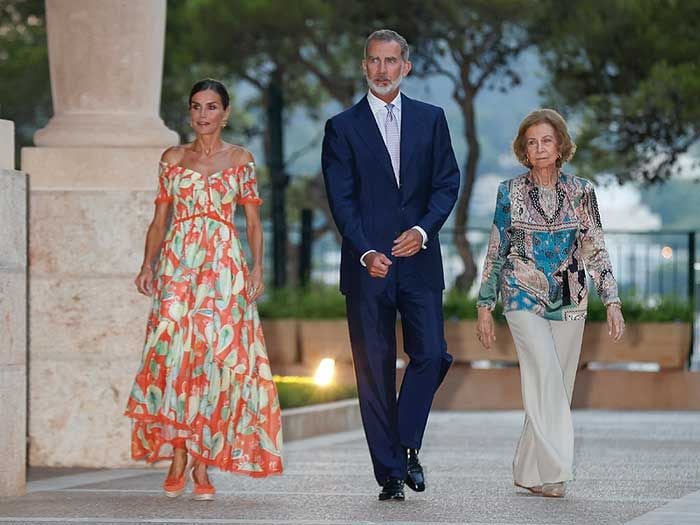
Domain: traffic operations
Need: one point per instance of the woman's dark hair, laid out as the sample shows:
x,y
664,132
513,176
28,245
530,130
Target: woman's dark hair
x,y
212,84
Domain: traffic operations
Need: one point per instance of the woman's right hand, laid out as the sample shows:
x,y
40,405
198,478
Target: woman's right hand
x,y
144,281
485,331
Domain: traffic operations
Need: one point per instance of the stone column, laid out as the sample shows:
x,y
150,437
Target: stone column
x,y
13,318
106,61
92,187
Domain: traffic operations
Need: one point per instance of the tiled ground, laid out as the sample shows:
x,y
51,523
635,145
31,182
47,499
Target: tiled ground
x,y
627,464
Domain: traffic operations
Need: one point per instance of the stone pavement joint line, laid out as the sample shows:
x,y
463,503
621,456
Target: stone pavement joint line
x,y
639,466
684,511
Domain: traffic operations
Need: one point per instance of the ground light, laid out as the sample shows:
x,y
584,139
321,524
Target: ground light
x,y
324,372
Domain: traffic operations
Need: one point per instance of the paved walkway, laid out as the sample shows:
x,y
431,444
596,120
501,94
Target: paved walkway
x,y
631,467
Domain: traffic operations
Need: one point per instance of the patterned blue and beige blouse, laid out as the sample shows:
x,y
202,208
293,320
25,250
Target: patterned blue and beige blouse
x,y
542,242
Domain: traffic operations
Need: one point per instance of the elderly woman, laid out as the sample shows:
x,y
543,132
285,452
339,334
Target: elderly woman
x,y
546,233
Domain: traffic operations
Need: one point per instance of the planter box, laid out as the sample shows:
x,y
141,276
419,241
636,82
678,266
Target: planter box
x,y
666,344
282,341
467,388
321,338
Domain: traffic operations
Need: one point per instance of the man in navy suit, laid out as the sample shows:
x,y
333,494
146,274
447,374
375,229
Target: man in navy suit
x,y
392,180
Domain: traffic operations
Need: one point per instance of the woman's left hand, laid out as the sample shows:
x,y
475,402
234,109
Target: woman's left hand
x,y
616,323
255,285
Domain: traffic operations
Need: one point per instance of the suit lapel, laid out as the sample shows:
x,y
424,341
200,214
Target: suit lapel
x,y
366,126
409,134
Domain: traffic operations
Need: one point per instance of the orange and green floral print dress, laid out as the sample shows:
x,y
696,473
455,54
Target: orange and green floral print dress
x,y
204,374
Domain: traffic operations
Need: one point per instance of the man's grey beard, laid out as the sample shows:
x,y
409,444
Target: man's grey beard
x,y
381,90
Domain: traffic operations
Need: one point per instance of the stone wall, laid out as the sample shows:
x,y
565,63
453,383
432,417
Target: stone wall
x,y
93,180
89,212
13,317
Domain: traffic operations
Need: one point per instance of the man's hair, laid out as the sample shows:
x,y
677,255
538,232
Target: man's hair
x,y
387,35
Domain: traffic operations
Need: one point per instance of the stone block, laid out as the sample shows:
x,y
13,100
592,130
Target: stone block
x,y
76,411
88,232
13,219
75,318
7,145
92,168
325,418
13,318
13,389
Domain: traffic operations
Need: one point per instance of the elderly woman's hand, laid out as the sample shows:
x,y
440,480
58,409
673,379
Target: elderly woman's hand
x,y
485,331
616,323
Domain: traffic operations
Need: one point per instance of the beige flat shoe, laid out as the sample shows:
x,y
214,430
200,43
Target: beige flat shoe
x,y
537,489
554,490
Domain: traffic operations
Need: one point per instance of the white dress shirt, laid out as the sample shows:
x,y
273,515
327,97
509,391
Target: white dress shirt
x,y
379,110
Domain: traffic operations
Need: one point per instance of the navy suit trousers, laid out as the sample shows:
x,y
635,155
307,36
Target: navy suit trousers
x,y
392,425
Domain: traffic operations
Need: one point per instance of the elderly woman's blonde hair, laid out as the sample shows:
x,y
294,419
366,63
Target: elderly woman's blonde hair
x,y
567,148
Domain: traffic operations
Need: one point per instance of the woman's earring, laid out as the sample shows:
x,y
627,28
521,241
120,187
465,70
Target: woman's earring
x,y
224,123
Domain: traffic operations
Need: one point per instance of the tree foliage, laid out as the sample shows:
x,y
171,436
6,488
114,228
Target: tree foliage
x,y
629,72
475,45
25,90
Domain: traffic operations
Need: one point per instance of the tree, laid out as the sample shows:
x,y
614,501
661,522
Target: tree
x,y
473,45
249,41
25,90
629,73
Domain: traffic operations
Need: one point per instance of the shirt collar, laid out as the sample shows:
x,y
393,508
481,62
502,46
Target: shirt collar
x,y
376,104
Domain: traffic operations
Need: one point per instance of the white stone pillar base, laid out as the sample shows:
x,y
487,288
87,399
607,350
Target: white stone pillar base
x,y
106,62
95,129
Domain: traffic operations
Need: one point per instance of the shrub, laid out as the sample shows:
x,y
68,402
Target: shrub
x,y
635,310
315,302
326,302
302,391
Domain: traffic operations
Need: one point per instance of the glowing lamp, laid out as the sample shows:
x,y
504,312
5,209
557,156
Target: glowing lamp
x,y
324,372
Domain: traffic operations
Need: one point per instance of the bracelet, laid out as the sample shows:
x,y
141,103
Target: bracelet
x,y
616,305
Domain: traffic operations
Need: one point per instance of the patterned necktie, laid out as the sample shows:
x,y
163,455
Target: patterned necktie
x,y
393,140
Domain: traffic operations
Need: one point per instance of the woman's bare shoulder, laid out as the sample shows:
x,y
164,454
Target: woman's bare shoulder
x,y
239,156
174,154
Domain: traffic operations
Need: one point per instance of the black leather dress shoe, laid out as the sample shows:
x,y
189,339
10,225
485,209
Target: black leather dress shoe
x,y
392,490
415,477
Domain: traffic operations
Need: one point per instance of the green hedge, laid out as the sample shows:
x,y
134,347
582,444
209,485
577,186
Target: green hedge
x,y
316,302
326,302
301,391
665,310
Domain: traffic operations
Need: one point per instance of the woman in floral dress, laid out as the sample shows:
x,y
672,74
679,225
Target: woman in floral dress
x,y
205,388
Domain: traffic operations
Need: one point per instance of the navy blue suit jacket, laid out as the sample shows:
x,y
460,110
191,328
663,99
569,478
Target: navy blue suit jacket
x,y
368,207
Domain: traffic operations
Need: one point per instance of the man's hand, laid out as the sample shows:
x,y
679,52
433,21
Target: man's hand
x,y
407,244
377,264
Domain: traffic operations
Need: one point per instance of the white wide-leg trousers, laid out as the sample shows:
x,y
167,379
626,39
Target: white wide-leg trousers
x,y
548,352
